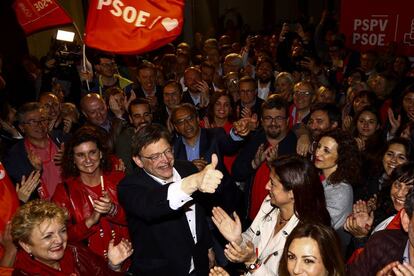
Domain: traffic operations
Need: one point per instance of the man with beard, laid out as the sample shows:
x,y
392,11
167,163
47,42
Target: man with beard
x,y
323,117
265,78
140,115
270,142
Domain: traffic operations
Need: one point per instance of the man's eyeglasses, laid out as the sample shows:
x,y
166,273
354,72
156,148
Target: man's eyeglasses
x,y
269,119
168,153
108,65
36,122
302,93
247,91
184,120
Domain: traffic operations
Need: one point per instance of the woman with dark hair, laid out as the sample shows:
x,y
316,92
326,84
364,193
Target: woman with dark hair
x,y
89,192
337,157
363,99
366,129
367,219
397,151
312,250
295,195
39,228
220,113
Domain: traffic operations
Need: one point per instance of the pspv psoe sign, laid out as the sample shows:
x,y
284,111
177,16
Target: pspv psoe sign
x,y
374,24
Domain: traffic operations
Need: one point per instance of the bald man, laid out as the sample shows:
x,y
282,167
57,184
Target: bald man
x,y
94,109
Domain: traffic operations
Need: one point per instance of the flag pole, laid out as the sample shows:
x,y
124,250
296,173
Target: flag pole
x,y
84,60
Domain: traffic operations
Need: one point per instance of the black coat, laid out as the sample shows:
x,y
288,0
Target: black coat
x,y
215,140
161,237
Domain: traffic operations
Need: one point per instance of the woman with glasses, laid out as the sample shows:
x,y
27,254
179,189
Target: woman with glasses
x,y
89,192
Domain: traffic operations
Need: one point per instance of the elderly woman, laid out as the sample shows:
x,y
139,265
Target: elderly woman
x,y
295,195
89,192
39,228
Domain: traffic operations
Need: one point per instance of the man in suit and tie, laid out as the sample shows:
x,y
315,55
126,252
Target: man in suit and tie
x,y
168,228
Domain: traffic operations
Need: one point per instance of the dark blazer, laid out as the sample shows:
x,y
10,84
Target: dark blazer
x,y
383,247
187,99
16,161
214,140
161,237
256,108
242,167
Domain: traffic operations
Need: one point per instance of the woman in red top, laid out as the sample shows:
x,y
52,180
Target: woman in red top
x,y
221,114
89,192
39,228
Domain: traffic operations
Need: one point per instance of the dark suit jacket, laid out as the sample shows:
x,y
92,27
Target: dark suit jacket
x,y
382,248
256,108
214,140
16,161
161,237
187,99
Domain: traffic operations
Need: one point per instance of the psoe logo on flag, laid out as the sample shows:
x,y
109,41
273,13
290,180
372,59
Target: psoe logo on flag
x,y
136,17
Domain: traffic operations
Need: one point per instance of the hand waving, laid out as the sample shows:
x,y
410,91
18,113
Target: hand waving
x,y
27,185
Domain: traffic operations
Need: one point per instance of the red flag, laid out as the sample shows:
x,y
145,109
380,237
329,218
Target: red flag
x,y
8,201
36,15
131,26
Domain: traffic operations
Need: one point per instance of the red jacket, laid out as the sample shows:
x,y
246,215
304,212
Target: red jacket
x,y
76,261
73,195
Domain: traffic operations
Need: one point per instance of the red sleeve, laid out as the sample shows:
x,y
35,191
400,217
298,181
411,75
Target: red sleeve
x,y
118,215
77,230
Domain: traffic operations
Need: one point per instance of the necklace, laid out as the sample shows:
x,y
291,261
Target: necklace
x,y
282,220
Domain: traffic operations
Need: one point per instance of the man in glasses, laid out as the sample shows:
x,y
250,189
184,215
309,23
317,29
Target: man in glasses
x,y
168,228
39,150
249,104
270,142
106,76
197,144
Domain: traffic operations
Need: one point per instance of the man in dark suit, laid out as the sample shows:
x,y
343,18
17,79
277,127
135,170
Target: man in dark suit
x,y
197,144
168,228
249,104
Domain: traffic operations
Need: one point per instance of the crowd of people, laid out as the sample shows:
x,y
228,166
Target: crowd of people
x,y
285,154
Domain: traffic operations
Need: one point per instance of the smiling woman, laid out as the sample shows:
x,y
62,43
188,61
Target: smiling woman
x,y
312,250
39,227
89,192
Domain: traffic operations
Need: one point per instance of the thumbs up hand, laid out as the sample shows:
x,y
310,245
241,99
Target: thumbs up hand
x,y
210,177
206,181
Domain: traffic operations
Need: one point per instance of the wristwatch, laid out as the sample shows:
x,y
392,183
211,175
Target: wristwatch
x,y
252,267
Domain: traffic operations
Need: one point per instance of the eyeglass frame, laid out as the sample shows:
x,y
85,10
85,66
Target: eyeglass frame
x,y
33,122
168,153
270,119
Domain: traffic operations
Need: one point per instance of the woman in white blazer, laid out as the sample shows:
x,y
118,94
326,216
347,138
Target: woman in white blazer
x,y
295,195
